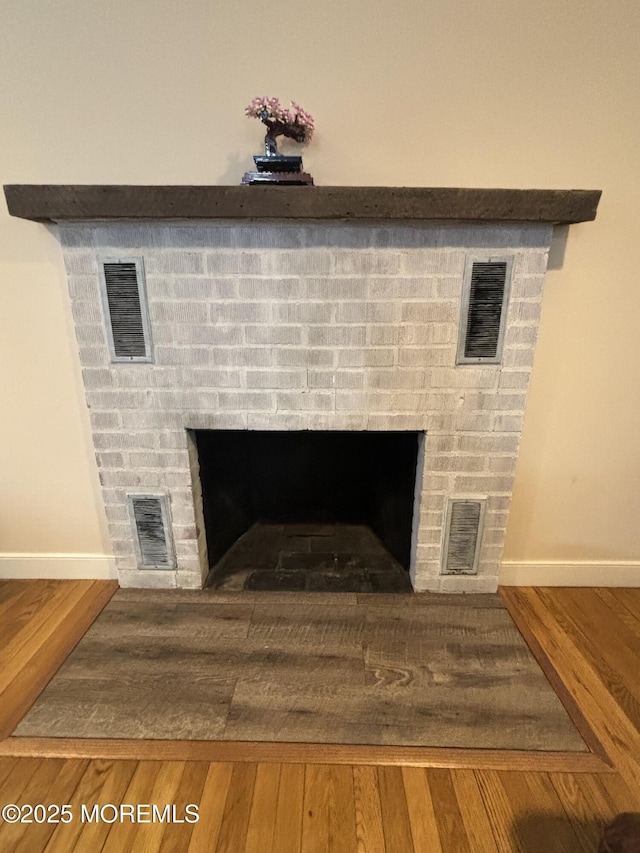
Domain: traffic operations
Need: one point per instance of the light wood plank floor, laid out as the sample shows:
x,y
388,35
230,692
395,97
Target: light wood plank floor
x,y
306,804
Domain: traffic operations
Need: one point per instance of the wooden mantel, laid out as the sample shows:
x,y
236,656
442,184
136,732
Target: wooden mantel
x,y
60,202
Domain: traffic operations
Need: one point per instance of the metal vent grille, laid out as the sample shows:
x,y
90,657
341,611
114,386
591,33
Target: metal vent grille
x,y
153,539
462,537
486,297
483,317
124,300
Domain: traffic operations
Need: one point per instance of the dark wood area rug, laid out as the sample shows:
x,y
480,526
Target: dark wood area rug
x,y
414,670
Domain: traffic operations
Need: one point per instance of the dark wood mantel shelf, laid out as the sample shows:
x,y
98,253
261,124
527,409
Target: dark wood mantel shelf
x,y
60,202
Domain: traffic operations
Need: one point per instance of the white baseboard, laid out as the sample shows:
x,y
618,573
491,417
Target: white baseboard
x,y
587,573
512,573
58,566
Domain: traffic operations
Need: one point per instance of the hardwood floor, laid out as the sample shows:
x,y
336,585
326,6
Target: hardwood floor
x,y
41,622
308,803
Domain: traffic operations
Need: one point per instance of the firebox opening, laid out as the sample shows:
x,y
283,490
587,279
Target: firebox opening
x,y
302,493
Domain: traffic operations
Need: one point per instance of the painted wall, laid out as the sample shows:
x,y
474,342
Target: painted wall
x,y
502,93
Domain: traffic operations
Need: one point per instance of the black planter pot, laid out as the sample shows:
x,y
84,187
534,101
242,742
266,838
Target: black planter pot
x,y
277,163
280,169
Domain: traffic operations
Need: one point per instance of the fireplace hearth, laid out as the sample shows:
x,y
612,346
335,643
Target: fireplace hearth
x,y
309,558
305,328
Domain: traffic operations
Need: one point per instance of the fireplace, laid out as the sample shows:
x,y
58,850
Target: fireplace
x,y
330,494
321,323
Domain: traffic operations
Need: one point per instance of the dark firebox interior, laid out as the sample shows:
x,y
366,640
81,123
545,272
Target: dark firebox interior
x,y
307,477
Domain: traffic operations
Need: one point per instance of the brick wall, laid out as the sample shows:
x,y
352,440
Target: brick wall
x,y
314,326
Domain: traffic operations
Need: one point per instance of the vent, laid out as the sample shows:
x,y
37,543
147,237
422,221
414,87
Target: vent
x,y
126,308
153,538
462,537
483,311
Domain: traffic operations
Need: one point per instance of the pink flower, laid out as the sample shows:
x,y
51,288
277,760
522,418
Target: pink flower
x,y
294,121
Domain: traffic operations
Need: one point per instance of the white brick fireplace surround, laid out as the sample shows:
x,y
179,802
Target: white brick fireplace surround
x,y
305,316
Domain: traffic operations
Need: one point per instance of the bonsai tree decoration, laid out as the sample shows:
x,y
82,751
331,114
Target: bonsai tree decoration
x,y
292,122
